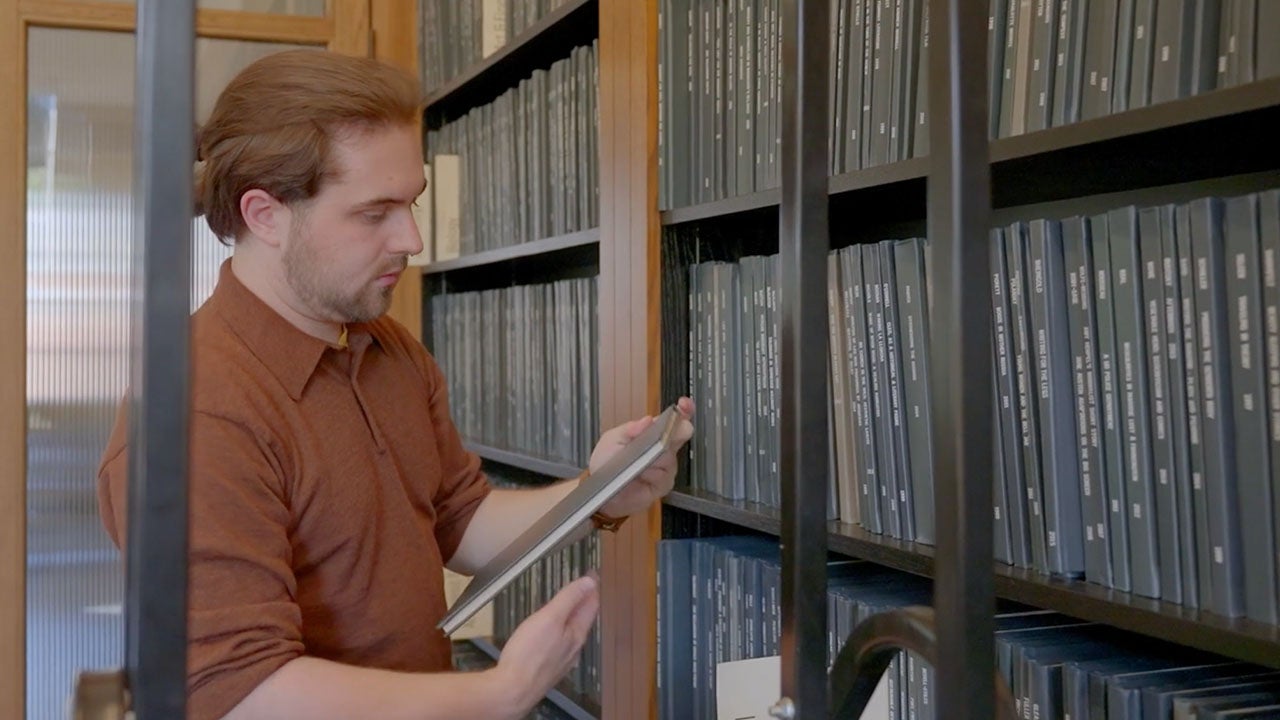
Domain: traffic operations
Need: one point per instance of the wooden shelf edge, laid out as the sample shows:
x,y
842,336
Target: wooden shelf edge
x,y
1238,638
527,250
550,468
544,27
577,706
843,538
724,206
1220,103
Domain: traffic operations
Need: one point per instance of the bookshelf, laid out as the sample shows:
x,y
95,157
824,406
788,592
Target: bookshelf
x,y
523,293
1238,638
1212,143
1225,145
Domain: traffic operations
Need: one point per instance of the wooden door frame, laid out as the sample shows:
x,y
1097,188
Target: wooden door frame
x,y
345,28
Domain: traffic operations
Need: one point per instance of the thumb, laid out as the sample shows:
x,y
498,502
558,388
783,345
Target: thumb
x,y
630,431
571,600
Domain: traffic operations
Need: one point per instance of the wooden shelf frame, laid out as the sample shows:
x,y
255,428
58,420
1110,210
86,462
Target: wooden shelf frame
x,y
1237,638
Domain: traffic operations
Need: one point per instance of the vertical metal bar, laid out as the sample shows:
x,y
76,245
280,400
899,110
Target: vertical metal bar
x,y
803,244
156,601
959,214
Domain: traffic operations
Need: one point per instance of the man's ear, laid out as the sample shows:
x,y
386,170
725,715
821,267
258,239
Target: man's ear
x,y
265,217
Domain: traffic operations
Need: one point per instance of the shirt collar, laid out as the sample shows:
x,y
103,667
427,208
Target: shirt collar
x,y
289,353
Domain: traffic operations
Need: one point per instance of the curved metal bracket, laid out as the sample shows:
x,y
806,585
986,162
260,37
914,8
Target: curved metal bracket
x,y
874,644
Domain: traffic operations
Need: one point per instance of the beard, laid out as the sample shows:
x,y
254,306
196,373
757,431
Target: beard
x,y
326,291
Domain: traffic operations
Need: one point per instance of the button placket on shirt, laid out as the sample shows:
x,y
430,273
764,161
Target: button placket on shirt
x,y
358,346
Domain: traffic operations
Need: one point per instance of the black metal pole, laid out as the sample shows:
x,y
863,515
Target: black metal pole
x,y
803,244
156,600
959,215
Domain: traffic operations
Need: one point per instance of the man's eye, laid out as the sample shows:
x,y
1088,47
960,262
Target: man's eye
x,y
373,218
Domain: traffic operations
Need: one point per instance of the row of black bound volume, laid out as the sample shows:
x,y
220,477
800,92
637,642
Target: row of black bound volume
x,y
1050,63
522,366
458,34
1136,416
719,601
528,162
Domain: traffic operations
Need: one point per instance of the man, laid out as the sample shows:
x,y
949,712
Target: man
x,y
328,485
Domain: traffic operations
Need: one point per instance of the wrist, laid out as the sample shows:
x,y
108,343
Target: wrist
x,y
510,696
603,519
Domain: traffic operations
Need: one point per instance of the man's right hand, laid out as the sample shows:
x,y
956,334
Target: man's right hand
x,y
540,652
547,644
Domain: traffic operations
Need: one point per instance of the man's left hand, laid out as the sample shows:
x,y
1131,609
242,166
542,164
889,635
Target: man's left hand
x,y
657,479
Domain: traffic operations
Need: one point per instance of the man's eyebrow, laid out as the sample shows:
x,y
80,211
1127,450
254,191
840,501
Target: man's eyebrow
x,y
388,200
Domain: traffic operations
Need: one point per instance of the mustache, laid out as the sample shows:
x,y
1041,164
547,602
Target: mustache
x,y
399,266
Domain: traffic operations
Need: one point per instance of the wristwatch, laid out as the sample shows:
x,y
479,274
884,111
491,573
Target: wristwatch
x,y
599,519
607,522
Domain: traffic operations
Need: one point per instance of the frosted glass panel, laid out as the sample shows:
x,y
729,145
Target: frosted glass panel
x,y
280,7
79,234
275,7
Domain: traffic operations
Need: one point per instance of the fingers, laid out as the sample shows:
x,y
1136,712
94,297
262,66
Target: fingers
x,y
564,606
583,616
686,407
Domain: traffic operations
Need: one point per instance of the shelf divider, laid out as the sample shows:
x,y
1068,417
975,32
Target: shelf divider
x,y
575,704
523,251
550,468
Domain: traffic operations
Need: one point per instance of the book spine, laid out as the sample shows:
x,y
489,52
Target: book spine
x,y
1100,51
1248,395
1064,538
1144,29
1269,240
1126,263
1168,529
839,434
1008,405
1179,410
1002,543
1195,415
874,270
1112,429
1219,433
865,384
1024,363
1078,258
915,352
897,401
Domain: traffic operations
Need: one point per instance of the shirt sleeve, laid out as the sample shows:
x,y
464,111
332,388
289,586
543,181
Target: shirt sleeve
x,y
463,486
243,622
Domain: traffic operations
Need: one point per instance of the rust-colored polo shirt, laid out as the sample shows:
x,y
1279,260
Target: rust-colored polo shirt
x,y
328,487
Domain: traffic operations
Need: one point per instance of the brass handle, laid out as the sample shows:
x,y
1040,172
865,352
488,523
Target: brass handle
x,y
101,696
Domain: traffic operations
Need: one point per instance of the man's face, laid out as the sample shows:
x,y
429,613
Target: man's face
x,y
348,245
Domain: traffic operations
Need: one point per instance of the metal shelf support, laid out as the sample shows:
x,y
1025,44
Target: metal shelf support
x,y
803,243
959,198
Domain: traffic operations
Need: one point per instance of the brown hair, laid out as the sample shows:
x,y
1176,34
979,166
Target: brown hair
x,y
273,125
